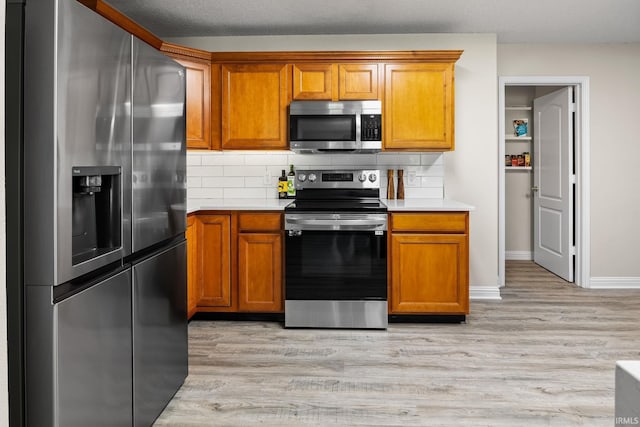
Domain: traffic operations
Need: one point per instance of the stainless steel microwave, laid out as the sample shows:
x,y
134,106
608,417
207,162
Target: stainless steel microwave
x,y
329,127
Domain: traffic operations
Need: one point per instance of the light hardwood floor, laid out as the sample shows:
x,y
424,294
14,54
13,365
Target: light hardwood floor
x,y
543,356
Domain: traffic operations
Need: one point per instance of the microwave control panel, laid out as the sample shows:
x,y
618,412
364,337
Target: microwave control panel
x,y
371,127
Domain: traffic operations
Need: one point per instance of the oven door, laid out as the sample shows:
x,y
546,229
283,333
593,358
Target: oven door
x,y
336,265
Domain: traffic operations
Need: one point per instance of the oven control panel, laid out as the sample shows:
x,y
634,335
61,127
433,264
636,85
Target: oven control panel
x,y
337,179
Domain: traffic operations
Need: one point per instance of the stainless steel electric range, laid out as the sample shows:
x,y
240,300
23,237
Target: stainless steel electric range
x,y
336,251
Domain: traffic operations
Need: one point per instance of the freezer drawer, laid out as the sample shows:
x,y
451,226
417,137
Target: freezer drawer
x,y
94,351
159,331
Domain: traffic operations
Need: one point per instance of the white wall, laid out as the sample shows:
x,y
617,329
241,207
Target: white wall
x,y
613,70
4,391
471,170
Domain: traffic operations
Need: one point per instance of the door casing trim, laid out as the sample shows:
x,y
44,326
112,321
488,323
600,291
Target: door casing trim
x,y
582,153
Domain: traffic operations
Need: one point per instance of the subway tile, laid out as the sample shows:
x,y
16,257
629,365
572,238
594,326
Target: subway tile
x,y
424,193
213,158
223,181
258,181
431,159
204,171
431,181
398,159
204,193
244,170
227,159
308,160
435,170
354,160
194,159
194,181
244,193
267,159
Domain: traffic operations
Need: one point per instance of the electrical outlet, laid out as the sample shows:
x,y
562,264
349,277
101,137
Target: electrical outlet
x,y
412,179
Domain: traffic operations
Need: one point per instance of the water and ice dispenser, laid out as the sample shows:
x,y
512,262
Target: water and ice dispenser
x,y
97,211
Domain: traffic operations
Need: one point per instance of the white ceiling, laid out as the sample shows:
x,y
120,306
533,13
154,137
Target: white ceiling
x,y
514,21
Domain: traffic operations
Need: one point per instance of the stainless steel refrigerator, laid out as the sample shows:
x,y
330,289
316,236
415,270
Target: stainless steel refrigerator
x,y
104,217
158,246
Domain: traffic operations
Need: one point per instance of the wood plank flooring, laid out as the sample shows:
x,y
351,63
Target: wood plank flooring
x,y
543,356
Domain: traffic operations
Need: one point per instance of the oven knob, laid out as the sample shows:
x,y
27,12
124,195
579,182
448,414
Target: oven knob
x,y
373,177
312,177
362,177
302,177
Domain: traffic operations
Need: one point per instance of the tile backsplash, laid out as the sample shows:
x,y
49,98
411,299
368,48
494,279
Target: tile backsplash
x,y
243,174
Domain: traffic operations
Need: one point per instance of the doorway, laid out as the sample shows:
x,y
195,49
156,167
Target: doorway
x,y
522,91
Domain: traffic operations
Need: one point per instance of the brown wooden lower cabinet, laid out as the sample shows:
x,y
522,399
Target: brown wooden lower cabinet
x,y
260,272
429,263
213,273
192,265
235,262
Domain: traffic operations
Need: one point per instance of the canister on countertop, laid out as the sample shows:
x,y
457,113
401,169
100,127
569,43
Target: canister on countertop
x,y
400,184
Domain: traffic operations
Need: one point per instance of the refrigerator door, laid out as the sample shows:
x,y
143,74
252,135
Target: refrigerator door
x,y
77,114
159,331
159,156
94,351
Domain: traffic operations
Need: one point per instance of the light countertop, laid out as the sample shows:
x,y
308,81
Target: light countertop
x,y
240,205
426,205
415,205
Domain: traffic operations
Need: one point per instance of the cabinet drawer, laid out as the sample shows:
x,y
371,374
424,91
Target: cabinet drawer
x,y
445,222
260,222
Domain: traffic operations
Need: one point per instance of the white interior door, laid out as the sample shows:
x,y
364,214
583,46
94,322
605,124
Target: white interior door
x,y
553,179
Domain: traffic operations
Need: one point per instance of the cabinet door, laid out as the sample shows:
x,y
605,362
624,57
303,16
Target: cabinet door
x,y
260,272
214,260
312,81
198,104
358,81
418,107
192,265
254,106
429,274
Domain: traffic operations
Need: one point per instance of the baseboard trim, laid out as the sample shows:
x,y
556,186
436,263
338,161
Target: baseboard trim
x,y
484,293
518,255
614,283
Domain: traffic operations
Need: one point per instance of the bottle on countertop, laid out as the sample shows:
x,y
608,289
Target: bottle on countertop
x,y
282,185
291,183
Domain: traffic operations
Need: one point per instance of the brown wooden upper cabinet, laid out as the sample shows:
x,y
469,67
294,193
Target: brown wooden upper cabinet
x,y
198,104
335,81
255,98
418,107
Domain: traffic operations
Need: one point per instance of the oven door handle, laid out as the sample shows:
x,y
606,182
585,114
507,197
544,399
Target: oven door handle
x,y
341,224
